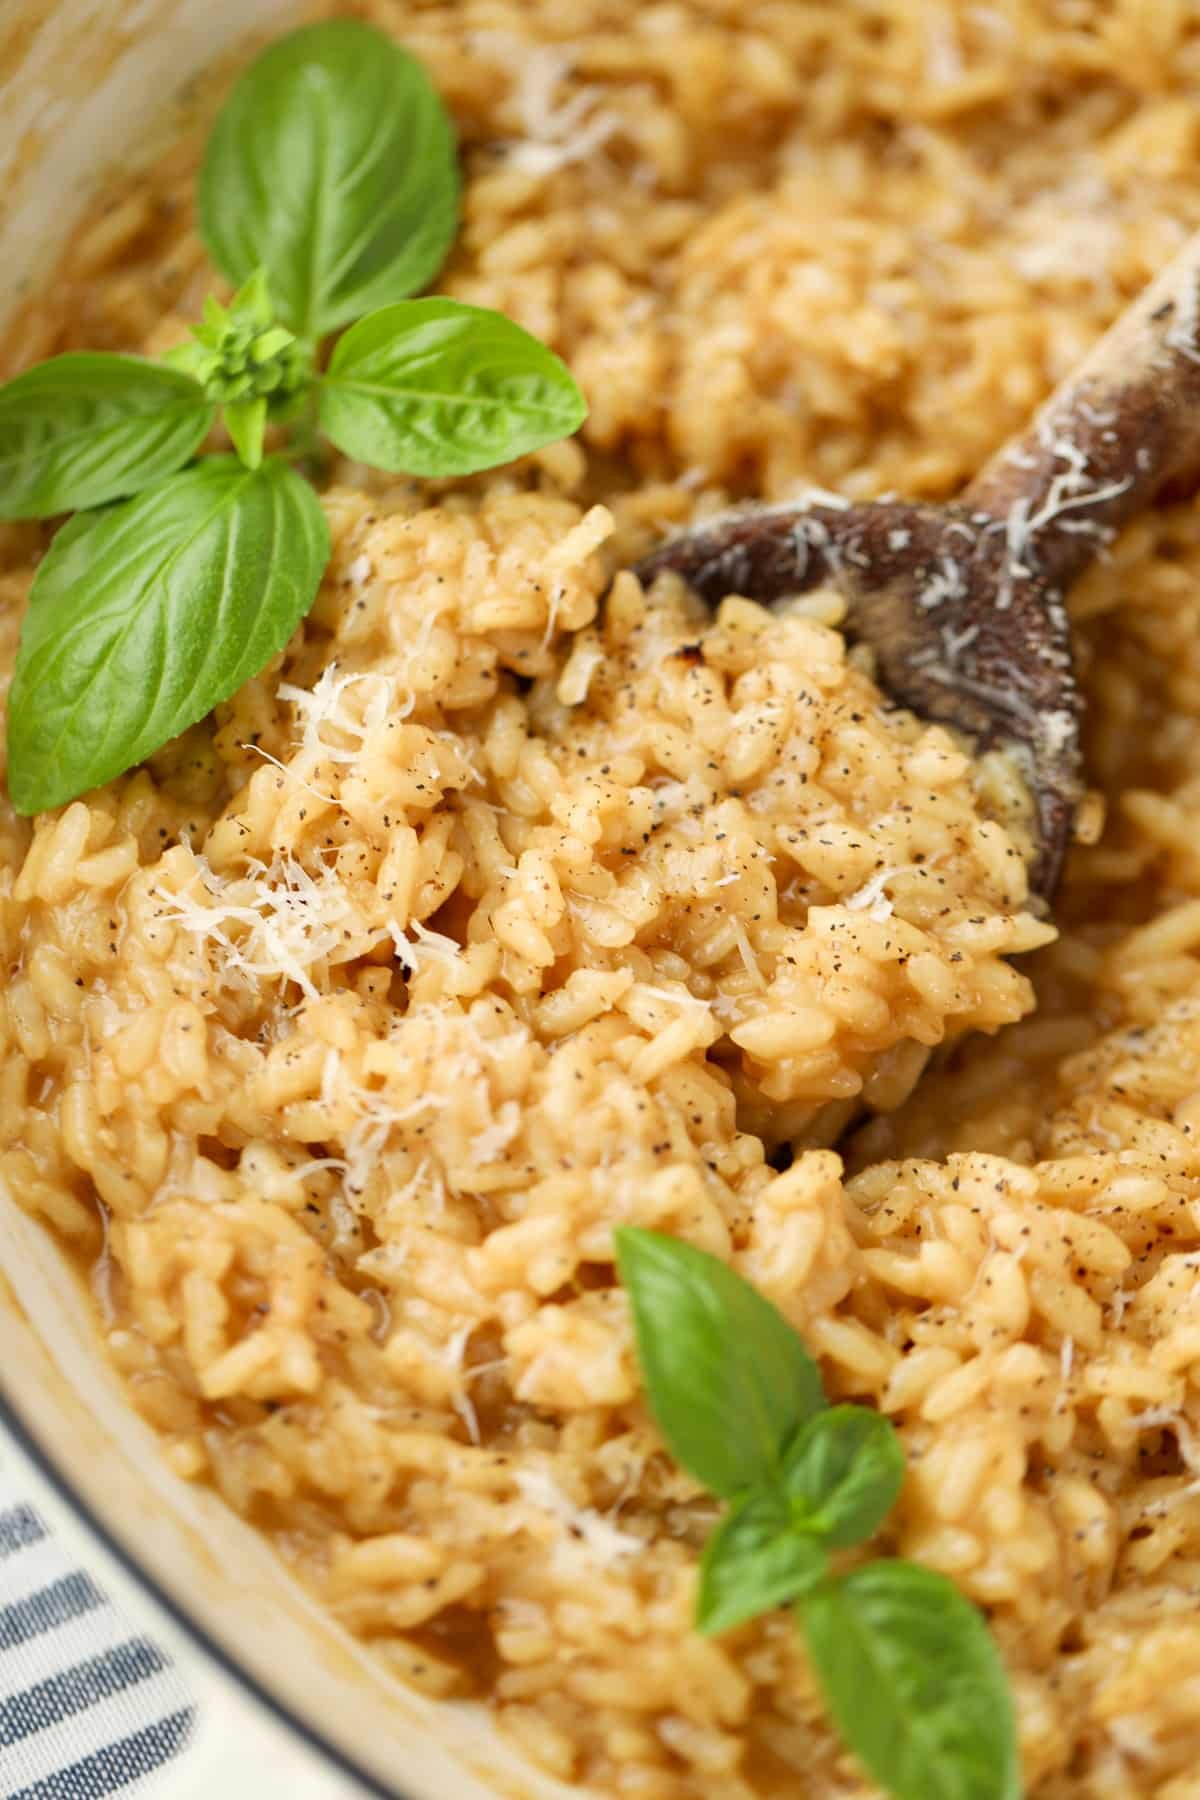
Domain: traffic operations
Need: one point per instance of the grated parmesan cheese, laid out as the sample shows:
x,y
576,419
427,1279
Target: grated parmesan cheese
x,y
1066,1359
323,707
556,131
593,1538
274,922
364,1142
430,945
871,899
488,1145
1071,232
746,951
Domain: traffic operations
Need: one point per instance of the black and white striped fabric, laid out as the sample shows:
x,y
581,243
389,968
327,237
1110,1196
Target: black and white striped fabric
x,y
89,1706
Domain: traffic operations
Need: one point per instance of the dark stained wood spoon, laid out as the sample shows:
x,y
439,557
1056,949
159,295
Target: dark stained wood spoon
x,y
962,603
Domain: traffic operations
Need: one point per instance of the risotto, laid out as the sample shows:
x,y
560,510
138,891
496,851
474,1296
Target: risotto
x,y
512,903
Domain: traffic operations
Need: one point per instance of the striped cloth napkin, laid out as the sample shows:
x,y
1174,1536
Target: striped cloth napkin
x,y
101,1690
89,1705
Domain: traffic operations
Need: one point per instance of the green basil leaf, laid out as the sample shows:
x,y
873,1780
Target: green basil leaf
x,y
914,1682
754,1561
142,620
436,388
333,165
86,428
246,423
727,1378
843,1474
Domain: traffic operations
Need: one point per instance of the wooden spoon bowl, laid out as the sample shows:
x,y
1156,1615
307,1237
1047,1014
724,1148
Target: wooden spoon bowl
x,y
962,603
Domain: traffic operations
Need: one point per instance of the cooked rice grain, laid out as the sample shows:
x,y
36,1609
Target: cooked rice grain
x,y
339,1037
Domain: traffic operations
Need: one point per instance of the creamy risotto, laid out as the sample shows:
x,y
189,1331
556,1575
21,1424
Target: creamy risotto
x,y
512,903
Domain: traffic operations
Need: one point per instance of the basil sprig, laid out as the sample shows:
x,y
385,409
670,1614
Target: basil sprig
x,y
906,1663
329,191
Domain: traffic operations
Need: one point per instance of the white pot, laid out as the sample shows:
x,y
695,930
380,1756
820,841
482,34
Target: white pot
x,y
290,1705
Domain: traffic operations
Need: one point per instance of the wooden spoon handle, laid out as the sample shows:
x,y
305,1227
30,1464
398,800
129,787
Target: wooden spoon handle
x,y
1123,425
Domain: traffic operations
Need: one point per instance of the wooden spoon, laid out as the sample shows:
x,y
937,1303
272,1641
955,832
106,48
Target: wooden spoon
x,y
962,604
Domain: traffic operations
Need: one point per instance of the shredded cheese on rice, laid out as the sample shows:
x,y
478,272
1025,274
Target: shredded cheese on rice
x,y
512,903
